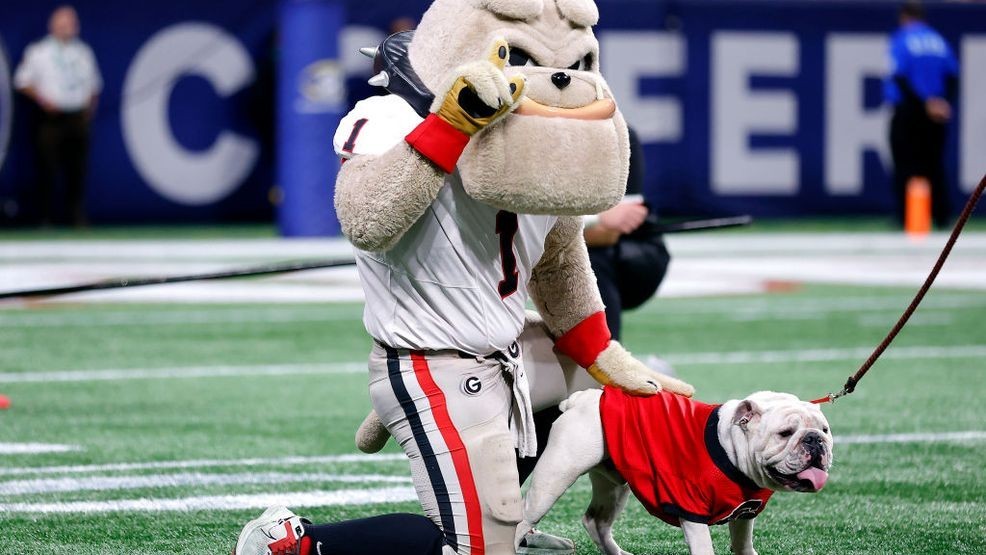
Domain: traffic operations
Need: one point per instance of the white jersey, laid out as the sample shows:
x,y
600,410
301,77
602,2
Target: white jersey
x,y
458,278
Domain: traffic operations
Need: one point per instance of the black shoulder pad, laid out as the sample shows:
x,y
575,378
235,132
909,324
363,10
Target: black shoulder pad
x,y
392,58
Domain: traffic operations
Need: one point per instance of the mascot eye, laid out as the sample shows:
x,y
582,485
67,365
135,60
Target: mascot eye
x,y
585,64
520,57
786,433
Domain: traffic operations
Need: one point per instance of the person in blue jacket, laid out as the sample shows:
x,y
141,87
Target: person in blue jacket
x,y
922,88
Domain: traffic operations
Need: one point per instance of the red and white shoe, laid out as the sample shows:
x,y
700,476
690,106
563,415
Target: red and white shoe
x,y
277,531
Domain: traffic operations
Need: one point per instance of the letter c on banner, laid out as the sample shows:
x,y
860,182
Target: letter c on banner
x,y
176,173
6,105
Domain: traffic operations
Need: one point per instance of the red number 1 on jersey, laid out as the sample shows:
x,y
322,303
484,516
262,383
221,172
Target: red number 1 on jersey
x,y
506,228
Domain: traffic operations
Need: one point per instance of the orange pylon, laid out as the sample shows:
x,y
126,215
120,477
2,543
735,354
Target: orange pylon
x,y
917,207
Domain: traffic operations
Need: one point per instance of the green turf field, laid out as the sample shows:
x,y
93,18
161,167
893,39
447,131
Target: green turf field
x,y
157,399
253,231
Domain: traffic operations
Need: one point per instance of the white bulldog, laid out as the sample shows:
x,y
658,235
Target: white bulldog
x,y
691,464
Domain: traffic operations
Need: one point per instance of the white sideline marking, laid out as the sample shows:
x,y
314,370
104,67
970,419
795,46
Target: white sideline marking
x,y
912,438
223,502
739,310
203,463
683,359
926,319
259,249
169,318
106,483
248,251
183,373
36,448
768,308
825,355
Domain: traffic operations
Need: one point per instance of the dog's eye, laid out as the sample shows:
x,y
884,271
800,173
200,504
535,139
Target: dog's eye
x,y
825,430
520,57
786,433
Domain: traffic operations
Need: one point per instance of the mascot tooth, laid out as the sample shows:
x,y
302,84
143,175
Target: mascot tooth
x,y
463,193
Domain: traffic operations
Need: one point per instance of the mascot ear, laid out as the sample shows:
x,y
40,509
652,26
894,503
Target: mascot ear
x,y
524,10
583,13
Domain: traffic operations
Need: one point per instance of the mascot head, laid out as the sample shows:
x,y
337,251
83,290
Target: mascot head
x,y
565,151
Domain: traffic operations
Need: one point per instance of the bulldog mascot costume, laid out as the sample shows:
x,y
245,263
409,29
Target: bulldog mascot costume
x,y
463,193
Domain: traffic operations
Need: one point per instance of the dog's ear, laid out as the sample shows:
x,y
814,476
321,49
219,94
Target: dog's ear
x,y
747,412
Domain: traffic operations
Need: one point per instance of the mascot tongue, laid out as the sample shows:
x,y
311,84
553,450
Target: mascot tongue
x,y
816,476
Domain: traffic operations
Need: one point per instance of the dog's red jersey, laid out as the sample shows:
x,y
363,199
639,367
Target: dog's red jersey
x,y
667,448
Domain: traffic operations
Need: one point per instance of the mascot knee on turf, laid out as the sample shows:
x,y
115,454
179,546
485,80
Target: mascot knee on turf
x,y
462,193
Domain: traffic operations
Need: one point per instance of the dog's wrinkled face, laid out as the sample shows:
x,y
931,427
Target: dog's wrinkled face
x,y
565,150
788,443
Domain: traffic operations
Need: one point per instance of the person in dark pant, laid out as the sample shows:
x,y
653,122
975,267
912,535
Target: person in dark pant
x,y
629,258
279,531
922,87
59,73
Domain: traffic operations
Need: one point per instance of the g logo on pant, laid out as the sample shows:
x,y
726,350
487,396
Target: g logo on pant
x,y
514,350
472,386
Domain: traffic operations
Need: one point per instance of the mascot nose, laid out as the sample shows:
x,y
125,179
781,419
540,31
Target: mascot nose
x,y
561,80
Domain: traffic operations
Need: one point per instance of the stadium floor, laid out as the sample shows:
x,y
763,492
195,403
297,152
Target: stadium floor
x,y
162,424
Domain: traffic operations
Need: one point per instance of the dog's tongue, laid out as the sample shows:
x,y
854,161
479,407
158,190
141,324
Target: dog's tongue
x,y
816,476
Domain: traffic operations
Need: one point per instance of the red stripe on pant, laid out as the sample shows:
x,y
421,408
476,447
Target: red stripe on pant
x,y
460,458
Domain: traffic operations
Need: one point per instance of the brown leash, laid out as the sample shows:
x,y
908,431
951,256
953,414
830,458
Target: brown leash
x,y
853,380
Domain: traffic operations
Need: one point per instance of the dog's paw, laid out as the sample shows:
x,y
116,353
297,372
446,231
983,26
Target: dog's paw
x,y
535,542
602,537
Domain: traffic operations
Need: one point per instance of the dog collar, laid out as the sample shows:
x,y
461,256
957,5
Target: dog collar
x,y
718,454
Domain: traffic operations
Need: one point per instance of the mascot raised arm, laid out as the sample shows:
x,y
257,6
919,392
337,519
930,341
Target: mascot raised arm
x,y
463,193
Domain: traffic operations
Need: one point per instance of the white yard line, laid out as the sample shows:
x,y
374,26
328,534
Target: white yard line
x,y
24,319
223,502
257,501
36,448
921,319
273,248
682,359
183,373
815,243
107,483
912,438
294,499
825,355
739,310
713,264
768,308
203,463
200,249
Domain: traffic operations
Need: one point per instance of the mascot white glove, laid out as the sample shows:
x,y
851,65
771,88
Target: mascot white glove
x,y
477,95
